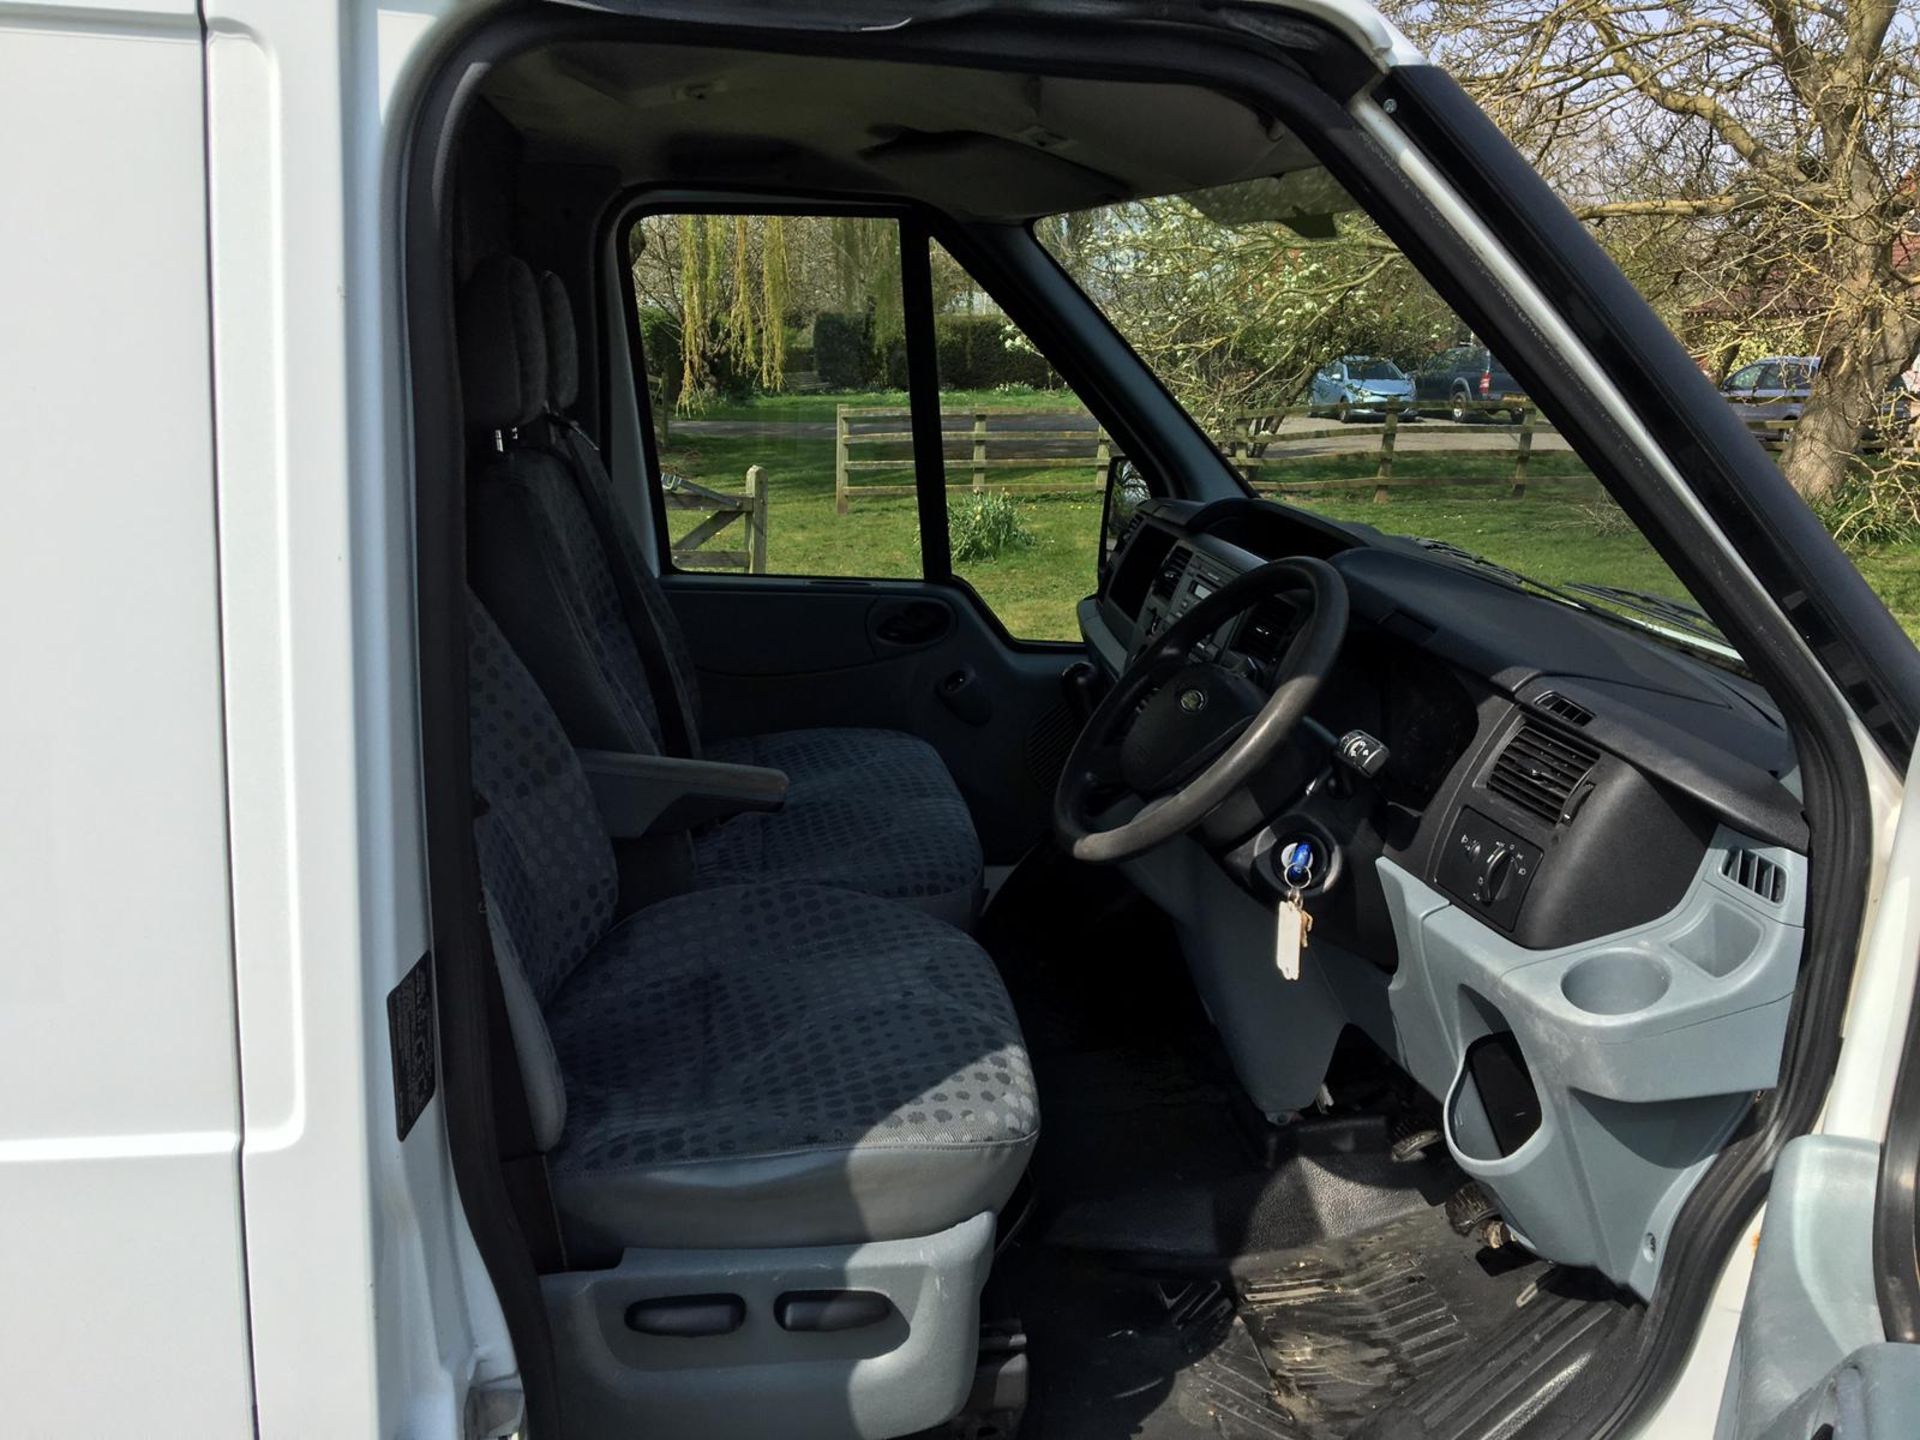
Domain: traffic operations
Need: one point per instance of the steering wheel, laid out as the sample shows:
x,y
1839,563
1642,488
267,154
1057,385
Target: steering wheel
x,y
1185,734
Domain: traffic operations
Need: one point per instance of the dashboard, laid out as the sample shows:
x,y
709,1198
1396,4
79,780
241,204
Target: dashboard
x,y
1557,774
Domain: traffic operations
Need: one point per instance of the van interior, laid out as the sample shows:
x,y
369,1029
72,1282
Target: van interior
x,y
905,1016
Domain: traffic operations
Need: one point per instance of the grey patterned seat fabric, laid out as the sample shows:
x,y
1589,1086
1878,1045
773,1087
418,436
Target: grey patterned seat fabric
x,y
748,1065
870,810
867,809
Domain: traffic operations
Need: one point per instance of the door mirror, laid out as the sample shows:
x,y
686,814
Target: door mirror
x,y
1127,491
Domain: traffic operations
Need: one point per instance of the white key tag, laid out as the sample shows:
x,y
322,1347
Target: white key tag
x,y
1290,936
1293,924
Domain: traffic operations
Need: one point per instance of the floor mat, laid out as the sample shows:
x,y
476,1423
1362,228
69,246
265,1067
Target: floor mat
x,y
1306,1344
1344,1327
1189,1270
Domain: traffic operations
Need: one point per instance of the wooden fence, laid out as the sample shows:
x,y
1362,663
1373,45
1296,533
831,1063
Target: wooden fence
x,y
1249,440
982,442
974,446
1257,445
749,508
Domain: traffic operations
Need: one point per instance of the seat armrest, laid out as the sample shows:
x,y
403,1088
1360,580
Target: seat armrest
x,y
658,794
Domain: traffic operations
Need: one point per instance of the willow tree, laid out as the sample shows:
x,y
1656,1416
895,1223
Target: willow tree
x,y
726,280
775,288
866,266
733,284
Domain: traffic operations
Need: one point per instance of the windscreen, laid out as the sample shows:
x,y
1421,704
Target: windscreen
x,y
1246,300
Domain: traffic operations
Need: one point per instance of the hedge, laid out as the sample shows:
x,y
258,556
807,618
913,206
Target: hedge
x,y
974,355
660,348
843,351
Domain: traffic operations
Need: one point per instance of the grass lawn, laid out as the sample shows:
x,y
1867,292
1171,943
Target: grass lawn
x,y
1894,573
1560,530
1032,588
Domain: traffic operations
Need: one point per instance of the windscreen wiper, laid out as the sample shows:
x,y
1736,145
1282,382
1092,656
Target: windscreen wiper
x,y
1663,608
1516,578
1662,616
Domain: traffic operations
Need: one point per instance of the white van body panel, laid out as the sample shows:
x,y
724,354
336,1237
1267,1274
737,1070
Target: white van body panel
x,y
120,1261
365,1284
209,793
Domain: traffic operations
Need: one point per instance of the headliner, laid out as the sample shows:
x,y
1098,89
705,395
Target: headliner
x,y
981,144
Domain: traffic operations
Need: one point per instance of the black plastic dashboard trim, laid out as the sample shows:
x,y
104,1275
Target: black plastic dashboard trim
x,y
1709,775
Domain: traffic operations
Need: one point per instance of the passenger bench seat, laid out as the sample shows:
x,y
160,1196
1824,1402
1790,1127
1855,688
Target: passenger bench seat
x,y
869,810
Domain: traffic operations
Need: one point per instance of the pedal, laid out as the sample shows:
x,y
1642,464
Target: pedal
x,y
1470,1208
1412,1138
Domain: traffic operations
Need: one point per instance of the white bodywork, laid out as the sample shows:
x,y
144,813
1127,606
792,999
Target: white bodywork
x,y
211,870
210,838
120,1256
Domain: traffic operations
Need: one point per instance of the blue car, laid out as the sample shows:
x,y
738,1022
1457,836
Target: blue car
x,y
1360,385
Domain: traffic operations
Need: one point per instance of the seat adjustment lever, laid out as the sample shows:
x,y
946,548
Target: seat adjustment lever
x,y
687,1317
824,1311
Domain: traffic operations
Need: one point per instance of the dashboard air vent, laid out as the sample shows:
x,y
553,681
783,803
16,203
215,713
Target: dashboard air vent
x,y
1571,711
1266,633
1756,873
1540,770
1168,580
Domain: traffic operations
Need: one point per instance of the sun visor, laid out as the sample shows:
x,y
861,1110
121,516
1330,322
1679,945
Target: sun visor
x,y
985,175
1305,201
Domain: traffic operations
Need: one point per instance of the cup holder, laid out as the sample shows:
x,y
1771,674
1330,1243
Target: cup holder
x,y
1617,984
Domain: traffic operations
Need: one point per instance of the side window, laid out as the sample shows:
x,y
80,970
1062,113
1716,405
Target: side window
x,y
1026,464
777,372
1744,378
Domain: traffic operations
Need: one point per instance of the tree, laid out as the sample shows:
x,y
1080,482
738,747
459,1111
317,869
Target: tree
x,y
724,280
1748,157
1236,314
735,284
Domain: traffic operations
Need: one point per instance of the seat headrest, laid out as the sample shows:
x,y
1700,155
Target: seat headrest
x,y
503,347
563,345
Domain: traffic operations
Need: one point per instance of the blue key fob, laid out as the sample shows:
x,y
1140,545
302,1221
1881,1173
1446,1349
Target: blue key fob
x,y
1296,862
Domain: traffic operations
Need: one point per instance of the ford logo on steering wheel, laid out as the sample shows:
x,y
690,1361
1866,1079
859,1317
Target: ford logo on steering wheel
x,y
1193,701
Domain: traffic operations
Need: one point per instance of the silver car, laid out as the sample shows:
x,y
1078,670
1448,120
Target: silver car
x,y
1357,385
1771,393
